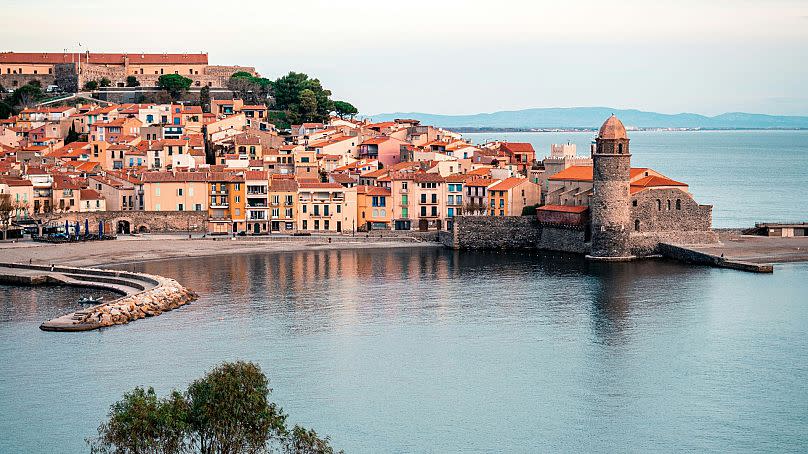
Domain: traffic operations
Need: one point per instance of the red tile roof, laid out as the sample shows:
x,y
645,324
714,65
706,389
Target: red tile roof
x,y
508,183
102,59
564,208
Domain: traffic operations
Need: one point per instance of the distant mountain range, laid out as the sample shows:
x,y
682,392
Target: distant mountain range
x,y
593,117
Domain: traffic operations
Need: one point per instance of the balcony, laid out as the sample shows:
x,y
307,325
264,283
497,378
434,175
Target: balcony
x,y
219,204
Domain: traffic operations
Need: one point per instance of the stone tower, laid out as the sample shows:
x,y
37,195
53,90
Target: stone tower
x,y
609,204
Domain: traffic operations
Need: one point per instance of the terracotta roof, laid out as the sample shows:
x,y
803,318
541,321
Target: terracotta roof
x,y
375,173
255,175
375,140
282,185
102,59
166,177
480,182
508,183
372,190
517,147
574,173
428,178
564,208
458,178
314,185
11,181
90,194
342,178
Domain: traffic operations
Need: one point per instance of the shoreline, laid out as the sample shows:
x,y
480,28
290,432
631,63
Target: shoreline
x,y
131,250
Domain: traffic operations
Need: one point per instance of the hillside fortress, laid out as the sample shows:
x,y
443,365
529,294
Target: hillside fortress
x,y
608,210
70,70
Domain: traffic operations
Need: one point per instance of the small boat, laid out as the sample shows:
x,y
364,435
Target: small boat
x,y
90,300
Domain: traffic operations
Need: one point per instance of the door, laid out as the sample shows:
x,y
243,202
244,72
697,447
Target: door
x,y
339,226
256,228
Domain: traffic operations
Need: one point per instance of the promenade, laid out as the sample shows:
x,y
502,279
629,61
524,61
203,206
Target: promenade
x,y
129,249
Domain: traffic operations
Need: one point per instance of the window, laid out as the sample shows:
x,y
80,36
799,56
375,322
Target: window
x,y
633,203
238,199
339,208
637,225
179,192
405,212
451,200
669,205
325,210
404,199
289,200
434,198
198,207
288,212
403,185
501,203
180,207
325,225
493,204
423,198
620,148
305,225
459,200
434,211
316,210
423,211
451,212
678,204
658,205
316,225
304,208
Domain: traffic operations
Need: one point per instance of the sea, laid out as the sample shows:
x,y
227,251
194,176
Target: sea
x,y
421,350
747,176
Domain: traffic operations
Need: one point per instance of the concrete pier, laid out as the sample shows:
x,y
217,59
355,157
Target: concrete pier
x,y
142,295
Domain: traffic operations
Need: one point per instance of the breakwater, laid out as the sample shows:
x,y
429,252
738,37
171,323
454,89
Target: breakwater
x,y
142,295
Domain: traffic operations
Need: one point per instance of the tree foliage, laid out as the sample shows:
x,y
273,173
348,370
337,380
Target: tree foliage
x,y
345,109
90,85
26,96
204,99
253,90
72,135
131,81
105,82
225,412
174,84
293,94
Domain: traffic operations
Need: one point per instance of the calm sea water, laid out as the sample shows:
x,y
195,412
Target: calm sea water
x,y
748,176
431,350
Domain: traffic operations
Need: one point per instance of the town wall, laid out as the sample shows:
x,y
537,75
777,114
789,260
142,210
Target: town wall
x,y
561,239
487,232
144,221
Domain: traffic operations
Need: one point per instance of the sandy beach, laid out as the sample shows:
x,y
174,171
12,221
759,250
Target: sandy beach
x,y
129,249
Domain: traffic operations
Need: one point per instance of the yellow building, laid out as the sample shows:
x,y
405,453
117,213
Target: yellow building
x,y
227,206
511,195
374,208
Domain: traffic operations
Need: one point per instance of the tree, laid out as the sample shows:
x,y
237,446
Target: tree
x,y
248,87
204,99
7,209
225,412
142,423
345,109
72,135
174,84
90,85
5,110
26,96
35,83
287,92
131,81
308,105
105,82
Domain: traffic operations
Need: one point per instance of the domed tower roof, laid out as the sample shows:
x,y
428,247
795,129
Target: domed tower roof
x,y
612,129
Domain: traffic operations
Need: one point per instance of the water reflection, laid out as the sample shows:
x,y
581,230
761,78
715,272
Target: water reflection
x,y
431,350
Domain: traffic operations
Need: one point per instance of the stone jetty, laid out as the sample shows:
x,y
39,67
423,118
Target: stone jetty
x,y
143,295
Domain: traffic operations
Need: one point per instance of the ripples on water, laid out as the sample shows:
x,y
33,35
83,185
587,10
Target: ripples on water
x,y
429,350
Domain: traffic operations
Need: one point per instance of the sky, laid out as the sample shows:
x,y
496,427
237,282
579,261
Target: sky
x,y
466,56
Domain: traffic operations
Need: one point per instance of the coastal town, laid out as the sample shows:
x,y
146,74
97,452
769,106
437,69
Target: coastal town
x,y
222,167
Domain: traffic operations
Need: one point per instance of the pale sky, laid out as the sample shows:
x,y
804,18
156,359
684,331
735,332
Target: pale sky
x,y
462,57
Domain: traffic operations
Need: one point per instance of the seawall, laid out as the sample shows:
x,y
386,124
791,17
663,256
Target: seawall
x,y
144,295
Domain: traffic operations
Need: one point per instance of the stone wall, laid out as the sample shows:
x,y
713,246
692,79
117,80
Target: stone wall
x,y
487,232
670,216
564,239
647,243
144,221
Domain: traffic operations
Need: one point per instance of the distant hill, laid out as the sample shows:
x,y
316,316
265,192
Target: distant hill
x,y
593,117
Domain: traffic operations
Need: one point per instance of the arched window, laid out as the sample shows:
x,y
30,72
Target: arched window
x,y
678,204
658,205
620,148
637,225
669,205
